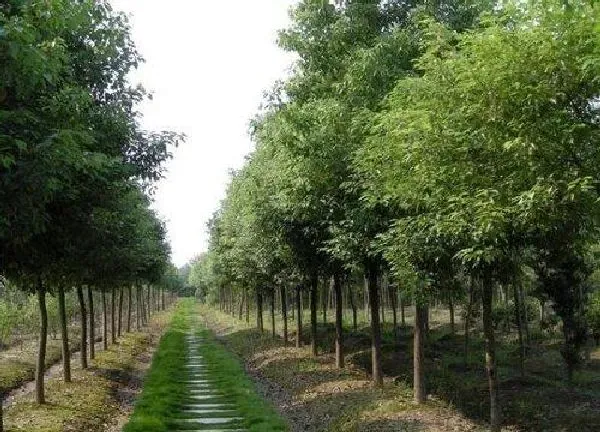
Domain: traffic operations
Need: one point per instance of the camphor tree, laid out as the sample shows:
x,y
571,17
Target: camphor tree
x,y
69,133
507,155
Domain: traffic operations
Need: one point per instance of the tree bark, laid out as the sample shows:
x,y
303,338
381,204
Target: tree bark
x,y
92,338
84,332
284,314
64,333
148,305
298,317
468,320
339,336
259,311
104,322
419,393
324,292
375,324
490,356
313,314
41,357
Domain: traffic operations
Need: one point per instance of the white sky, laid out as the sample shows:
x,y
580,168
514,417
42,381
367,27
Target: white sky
x,y
207,63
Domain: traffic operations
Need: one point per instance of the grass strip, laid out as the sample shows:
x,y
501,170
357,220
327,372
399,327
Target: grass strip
x,y
164,390
230,378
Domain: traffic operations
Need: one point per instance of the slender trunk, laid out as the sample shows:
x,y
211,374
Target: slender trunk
x,y
519,320
313,314
353,306
525,316
339,336
284,315
83,313
402,311
298,317
247,306
162,299
120,313
129,298
375,325
148,305
468,320
542,309
259,311
490,356
366,297
451,309
392,296
113,332
64,333
241,308
324,292
104,322
92,338
383,285
273,332
138,308
420,395
41,358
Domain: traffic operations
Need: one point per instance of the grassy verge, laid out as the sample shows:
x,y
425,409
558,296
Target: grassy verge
x,y
88,403
228,372
163,391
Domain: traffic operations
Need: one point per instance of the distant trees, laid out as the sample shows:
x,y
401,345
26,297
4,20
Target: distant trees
x,y
74,159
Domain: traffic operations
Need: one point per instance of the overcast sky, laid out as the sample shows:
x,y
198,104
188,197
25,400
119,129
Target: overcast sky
x,y
208,63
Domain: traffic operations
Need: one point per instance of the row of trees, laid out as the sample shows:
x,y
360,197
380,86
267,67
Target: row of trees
x,y
76,168
445,145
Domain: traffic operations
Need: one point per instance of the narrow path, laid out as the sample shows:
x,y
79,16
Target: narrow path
x,y
206,408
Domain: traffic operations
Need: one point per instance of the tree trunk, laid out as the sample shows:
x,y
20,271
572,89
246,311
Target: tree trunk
x,y
468,321
113,332
366,297
339,336
382,291
259,311
525,315
375,325
490,356
129,298
451,309
40,366
92,338
298,317
241,308
402,311
313,314
420,395
162,299
284,315
138,308
273,332
324,292
104,322
148,305
120,313
247,306
83,313
64,333
353,306
392,295
519,320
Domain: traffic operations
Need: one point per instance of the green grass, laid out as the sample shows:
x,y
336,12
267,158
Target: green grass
x,y
164,393
227,371
163,390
